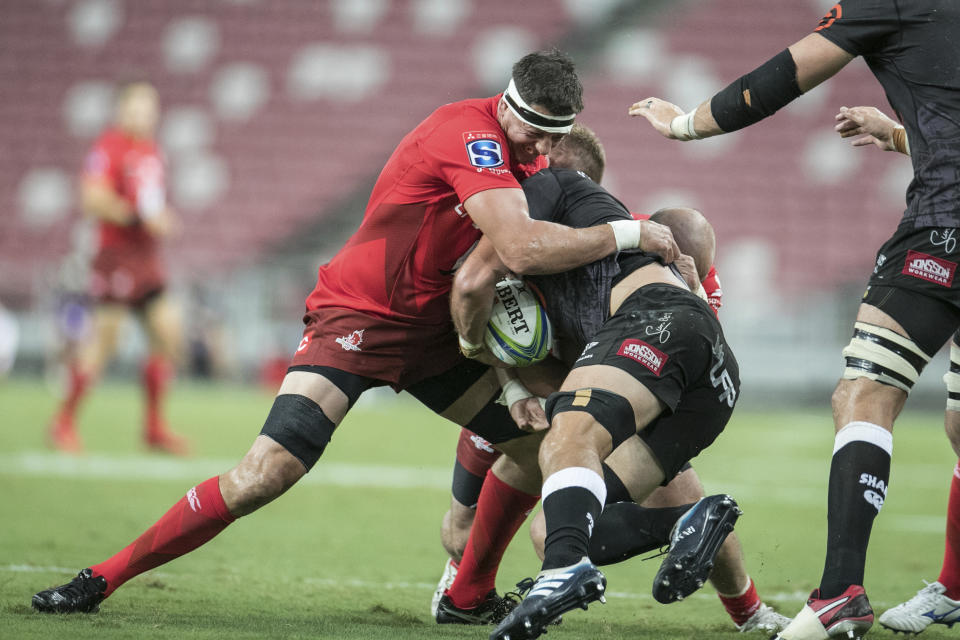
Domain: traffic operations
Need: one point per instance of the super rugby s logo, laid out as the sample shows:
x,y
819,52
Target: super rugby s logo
x,y
483,149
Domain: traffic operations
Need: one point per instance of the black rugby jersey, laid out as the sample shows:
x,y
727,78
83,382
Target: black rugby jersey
x,y
913,49
578,301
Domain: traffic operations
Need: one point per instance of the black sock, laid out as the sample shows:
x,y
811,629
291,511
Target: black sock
x,y
626,529
570,514
859,474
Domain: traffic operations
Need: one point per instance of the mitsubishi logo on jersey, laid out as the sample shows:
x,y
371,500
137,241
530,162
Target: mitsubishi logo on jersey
x,y
352,342
193,500
650,357
929,268
303,344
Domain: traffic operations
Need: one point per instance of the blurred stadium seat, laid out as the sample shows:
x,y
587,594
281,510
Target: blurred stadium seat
x,y
278,115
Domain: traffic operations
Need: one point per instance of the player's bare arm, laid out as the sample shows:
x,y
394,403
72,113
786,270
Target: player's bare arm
x,y
99,200
472,294
752,97
527,246
874,128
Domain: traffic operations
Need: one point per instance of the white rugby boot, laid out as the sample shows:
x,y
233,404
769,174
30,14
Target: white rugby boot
x,y
928,607
446,581
764,619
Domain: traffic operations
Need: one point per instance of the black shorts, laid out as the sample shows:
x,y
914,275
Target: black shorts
x,y
670,341
915,282
493,422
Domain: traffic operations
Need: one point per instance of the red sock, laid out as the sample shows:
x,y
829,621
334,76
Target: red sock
x,y
950,572
501,510
194,520
743,606
157,373
78,384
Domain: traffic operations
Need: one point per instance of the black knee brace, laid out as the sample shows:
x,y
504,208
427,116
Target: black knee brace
x,y
612,411
300,426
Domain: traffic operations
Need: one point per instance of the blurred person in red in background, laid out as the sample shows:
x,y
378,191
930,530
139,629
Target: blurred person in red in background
x,y
122,186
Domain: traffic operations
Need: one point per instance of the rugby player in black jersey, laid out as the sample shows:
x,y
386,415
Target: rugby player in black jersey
x,y
624,530
654,359
911,305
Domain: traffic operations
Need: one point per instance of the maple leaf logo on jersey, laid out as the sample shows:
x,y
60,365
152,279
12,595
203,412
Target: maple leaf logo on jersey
x,y
352,342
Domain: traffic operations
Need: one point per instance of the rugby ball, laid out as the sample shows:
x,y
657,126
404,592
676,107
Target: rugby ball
x,y
519,331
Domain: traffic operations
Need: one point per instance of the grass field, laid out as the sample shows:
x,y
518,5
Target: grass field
x,y
353,551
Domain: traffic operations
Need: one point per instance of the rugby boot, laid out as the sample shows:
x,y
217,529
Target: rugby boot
x,y
63,435
929,606
491,610
160,438
694,542
555,592
83,594
765,619
446,580
848,615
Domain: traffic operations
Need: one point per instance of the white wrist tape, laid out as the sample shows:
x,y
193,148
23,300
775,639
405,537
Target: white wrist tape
x,y
513,391
469,349
151,201
626,233
682,127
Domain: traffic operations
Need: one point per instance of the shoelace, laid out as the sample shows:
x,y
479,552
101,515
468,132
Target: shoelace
x,y
82,585
927,596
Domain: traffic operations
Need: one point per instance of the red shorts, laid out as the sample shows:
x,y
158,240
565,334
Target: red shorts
x,y
475,454
396,353
130,276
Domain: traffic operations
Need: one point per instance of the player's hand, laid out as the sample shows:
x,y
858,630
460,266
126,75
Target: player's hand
x,y
529,415
688,269
166,224
869,122
659,113
658,238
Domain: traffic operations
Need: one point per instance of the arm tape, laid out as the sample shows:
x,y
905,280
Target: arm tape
x,y
758,94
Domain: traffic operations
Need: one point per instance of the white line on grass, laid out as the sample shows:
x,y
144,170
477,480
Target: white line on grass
x,y
136,467
149,468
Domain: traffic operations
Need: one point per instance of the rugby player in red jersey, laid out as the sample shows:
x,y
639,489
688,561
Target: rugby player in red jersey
x,y
123,188
379,315
581,150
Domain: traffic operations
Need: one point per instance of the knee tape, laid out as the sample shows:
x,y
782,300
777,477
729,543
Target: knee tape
x,y
300,426
884,356
952,379
612,411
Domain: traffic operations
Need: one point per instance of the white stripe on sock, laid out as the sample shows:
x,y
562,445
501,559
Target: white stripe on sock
x,y
864,432
576,477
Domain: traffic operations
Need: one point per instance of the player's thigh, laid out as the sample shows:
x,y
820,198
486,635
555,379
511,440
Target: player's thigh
x,y
108,322
331,398
684,488
467,394
646,406
266,471
162,320
635,467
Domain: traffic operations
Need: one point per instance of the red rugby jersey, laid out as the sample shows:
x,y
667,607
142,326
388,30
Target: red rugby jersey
x,y
132,167
399,264
711,282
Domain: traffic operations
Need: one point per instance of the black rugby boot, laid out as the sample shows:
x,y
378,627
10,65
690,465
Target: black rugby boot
x,y
555,592
83,594
694,542
491,610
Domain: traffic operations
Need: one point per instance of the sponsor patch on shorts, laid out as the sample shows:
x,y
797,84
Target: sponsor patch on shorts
x,y
929,268
650,357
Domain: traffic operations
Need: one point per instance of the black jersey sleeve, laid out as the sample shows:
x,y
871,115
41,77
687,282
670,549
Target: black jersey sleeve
x,y
570,198
860,27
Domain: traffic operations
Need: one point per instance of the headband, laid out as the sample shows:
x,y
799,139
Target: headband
x,y
550,124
